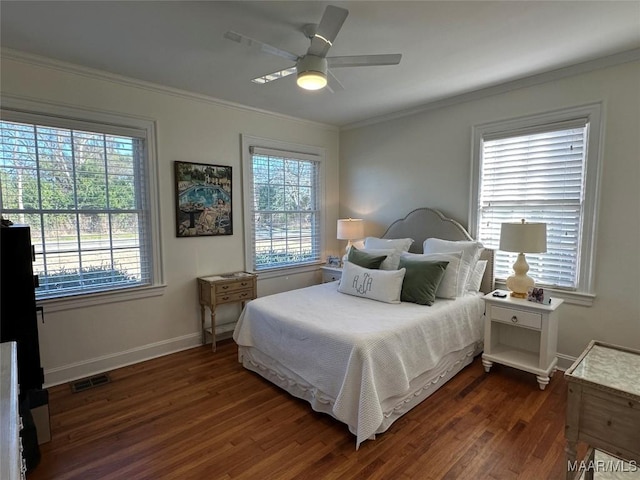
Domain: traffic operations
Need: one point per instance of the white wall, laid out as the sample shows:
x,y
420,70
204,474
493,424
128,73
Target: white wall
x,y
386,170
389,168
75,343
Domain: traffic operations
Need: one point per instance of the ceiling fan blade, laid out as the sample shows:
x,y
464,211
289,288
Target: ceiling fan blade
x,y
364,60
334,84
264,47
328,29
275,75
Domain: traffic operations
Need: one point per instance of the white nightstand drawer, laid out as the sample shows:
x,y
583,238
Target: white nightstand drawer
x,y
518,317
331,274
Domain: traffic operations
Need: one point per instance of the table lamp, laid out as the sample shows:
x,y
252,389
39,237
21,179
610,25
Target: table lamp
x,y
350,229
522,238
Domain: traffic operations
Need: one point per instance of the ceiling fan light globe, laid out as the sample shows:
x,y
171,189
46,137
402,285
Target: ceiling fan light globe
x,y
312,72
312,80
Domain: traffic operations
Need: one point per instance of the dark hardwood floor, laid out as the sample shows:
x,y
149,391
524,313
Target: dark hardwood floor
x,y
200,415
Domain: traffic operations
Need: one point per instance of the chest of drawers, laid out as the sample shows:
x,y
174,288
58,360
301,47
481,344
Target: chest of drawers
x,y
12,465
603,403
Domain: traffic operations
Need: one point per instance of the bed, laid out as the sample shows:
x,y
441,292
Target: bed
x,y
364,362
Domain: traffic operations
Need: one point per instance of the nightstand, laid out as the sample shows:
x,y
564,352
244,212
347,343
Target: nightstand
x,y
236,287
331,274
521,334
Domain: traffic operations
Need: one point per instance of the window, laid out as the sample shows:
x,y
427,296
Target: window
x,y
541,169
85,191
282,204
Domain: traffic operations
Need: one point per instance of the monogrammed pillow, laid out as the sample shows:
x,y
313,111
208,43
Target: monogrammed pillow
x,y
382,285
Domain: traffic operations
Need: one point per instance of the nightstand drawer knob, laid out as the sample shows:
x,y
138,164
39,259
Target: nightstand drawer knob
x,y
514,319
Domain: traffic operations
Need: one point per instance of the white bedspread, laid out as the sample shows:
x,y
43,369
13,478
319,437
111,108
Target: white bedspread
x,y
356,350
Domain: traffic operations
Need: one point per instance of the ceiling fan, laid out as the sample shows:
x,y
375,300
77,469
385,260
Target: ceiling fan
x,y
312,68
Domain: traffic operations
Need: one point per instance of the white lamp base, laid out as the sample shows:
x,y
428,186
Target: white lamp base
x,y
520,282
349,245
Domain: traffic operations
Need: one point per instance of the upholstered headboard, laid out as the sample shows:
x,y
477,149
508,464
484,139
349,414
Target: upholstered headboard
x,y
423,223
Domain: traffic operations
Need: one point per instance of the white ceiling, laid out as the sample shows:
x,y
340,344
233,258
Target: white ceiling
x,y
448,47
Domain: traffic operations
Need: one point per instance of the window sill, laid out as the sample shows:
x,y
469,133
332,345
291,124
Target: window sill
x,y
291,270
89,300
571,298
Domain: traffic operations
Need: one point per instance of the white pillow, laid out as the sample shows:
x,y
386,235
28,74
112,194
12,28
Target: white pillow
x,y
451,283
475,281
382,285
399,244
470,254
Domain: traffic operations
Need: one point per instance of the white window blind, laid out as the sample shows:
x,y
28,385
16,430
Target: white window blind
x,y
284,208
536,174
84,195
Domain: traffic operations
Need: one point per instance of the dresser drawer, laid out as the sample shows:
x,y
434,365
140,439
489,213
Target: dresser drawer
x,y
607,416
517,317
233,286
235,296
330,276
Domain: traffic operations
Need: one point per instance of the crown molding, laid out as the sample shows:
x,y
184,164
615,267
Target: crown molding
x,y
557,74
552,75
40,61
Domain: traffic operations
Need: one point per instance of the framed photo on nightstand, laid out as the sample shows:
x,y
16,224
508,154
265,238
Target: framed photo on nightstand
x,y
536,295
333,261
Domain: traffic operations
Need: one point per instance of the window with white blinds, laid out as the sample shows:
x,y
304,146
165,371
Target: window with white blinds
x,y
283,208
82,189
539,172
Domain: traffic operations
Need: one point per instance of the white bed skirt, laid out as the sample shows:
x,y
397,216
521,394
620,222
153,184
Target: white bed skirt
x,y
393,407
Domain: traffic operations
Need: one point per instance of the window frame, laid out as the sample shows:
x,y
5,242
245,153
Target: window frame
x,y
249,141
585,282
33,112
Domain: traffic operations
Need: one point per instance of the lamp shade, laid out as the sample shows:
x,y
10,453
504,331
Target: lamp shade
x,y
523,237
350,229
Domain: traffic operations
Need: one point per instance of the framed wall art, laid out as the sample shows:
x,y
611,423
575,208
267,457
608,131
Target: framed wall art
x,y
203,199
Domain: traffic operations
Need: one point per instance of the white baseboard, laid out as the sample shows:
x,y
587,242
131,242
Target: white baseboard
x,y
565,361
94,366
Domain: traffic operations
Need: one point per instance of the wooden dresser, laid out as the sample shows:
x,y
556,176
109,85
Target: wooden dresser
x,y
234,287
603,404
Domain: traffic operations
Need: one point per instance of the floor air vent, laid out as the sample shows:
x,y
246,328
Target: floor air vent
x,y
91,382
